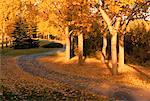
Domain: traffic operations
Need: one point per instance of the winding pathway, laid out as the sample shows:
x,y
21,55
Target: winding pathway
x,y
29,64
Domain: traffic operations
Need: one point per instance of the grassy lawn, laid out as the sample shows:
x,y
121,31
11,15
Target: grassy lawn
x,y
17,52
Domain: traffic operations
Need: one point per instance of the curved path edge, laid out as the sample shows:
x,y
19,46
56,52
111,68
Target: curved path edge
x,y
29,64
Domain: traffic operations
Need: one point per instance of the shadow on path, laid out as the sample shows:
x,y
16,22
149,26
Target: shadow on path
x,y
141,71
122,96
29,64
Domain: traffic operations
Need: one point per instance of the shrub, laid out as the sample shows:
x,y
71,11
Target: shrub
x,y
26,44
53,45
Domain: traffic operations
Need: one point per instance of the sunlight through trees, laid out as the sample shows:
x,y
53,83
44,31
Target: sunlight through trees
x,y
102,23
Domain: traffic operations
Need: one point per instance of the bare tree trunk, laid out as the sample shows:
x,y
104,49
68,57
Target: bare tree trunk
x,y
121,53
114,54
3,40
114,46
3,34
113,31
121,46
80,48
104,48
6,42
48,36
67,43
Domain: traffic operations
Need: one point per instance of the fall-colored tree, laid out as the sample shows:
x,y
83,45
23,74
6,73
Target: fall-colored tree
x,y
31,17
120,11
48,21
74,16
9,11
80,20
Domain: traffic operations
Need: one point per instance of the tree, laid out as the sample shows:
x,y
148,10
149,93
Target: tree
x,y
48,18
20,34
136,12
68,44
113,31
31,17
74,16
117,11
80,48
104,30
78,19
9,11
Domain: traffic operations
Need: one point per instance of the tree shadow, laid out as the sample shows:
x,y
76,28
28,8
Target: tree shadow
x,y
140,71
108,66
121,96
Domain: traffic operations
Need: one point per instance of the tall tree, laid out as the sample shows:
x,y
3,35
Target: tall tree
x,y
20,34
9,11
113,31
118,12
73,15
80,48
68,44
31,17
138,10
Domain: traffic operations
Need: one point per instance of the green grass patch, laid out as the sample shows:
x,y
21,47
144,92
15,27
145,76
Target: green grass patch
x,y
17,52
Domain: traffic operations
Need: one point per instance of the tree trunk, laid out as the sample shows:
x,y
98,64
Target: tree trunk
x,y
3,34
6,42
113,31
67,43
2,40
114,46
121,53
48,36
121,47
80,49
104,48
114,54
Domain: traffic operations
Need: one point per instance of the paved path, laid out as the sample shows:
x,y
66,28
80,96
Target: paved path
x,y
29,64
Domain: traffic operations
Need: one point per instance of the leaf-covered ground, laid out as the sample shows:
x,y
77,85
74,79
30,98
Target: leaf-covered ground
x,y
133,81
18,85
52,78
92,68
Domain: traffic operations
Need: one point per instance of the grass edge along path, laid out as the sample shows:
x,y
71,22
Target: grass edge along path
x,y
17,52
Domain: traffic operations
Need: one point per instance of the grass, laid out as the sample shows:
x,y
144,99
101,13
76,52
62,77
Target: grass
x,y
43,42
17,52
